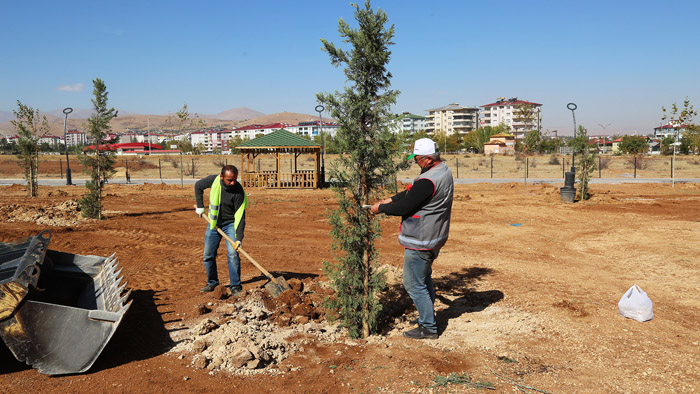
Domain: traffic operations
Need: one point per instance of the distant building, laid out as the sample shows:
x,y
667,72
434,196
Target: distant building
x,y
670,130
500,144
311,129
506,112
252,131
75,137
452,119
52,140
408,122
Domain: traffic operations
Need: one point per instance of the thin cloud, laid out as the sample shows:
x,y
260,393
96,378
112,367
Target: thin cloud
x,y
78,87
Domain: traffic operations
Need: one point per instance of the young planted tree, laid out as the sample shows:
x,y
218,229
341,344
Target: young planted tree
x,y
585,164
366,166
100,164
30,126
683,118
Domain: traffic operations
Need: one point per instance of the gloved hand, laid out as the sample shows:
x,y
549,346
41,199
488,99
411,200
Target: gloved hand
x,y
199,211
237,245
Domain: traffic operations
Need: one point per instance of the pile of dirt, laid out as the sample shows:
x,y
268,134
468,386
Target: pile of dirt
x,y
66,213
301,304
244,338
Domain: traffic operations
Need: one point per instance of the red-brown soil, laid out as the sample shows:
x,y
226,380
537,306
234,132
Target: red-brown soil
x,y
527,292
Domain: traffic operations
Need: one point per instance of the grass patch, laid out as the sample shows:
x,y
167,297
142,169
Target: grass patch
x,y
462,379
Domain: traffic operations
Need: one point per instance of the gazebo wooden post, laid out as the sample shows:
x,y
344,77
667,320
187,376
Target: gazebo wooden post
x,y
243,171
317,164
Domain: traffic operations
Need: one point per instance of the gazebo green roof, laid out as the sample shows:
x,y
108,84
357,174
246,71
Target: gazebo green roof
x,y
279,138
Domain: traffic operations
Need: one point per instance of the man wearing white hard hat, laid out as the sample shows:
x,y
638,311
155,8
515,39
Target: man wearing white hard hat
x,y
425,209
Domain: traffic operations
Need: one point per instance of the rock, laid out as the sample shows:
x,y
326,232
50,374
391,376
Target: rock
x,y
240,357
301,320
199,346
227,309
253,364
205,327
202,309
199,362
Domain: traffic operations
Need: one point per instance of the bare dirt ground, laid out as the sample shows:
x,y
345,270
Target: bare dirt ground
x,y
527,295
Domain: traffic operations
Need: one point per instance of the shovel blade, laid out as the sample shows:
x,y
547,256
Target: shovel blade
x,y
275,289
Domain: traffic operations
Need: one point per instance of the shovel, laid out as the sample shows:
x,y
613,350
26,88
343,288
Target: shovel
x,y
276,285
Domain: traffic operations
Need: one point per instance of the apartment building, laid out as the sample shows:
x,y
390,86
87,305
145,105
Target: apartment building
x,y
509,113
311,129
452,119
408,122
75,137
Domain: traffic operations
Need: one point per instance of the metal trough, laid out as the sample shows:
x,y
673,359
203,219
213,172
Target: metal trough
x,y
58,310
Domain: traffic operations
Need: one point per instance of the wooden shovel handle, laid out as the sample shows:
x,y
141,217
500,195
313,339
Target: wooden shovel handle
x,y
239,249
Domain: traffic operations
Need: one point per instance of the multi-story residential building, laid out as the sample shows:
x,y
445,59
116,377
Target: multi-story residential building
x,y
408,122
252,131
311,129
75,137
52,140
670,130
509,113
452,119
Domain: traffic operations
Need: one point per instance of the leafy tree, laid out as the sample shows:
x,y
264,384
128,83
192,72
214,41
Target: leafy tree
x,y
634,145
100,165
683,117
586,154
30,126
667,144
533,139
362,111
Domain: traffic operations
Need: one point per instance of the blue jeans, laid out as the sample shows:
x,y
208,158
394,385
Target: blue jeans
x,y
212,239
417,280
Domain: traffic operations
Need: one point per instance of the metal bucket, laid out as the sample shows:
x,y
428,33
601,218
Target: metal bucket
x,y
58,310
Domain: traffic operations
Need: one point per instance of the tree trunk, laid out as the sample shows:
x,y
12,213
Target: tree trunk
x,y
365,294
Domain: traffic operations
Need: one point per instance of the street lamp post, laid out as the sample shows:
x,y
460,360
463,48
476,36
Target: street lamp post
x,y
568,192
66,111
605,135
319,108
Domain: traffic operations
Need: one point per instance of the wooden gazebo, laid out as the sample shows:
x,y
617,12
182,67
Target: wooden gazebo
x,y
276,174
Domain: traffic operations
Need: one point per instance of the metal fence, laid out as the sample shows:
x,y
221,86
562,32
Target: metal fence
x,y
463,166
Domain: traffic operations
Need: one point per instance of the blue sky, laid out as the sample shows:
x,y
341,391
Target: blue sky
x,y
619,61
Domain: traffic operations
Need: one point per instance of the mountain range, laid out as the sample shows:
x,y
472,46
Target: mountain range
x,y
125,121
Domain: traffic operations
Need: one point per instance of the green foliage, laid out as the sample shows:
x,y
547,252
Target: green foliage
x,y
634,145
100,164
455,378
533,139
683,117
30,126
585,161
367,165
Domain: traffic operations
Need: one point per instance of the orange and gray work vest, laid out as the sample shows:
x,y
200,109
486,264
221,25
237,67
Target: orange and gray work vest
x,y
215,204
429,227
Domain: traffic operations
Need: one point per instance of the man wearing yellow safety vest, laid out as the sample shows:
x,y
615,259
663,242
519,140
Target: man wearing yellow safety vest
x,y
227,204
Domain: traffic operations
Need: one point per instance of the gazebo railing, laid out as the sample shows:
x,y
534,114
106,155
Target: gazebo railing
x,y
306,179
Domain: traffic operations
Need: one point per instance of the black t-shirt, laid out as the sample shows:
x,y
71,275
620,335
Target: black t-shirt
x,y
231,200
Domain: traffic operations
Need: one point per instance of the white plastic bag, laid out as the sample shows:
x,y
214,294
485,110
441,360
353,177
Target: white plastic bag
x,y
635,304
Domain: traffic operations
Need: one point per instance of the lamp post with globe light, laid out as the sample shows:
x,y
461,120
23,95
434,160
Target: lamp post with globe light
x,y
66,111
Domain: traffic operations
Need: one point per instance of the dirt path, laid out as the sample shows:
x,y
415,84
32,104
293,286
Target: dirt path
x,y
527,292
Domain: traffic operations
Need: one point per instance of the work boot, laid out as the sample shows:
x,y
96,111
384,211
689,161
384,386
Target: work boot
x,y
208,288
236,290
420,332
